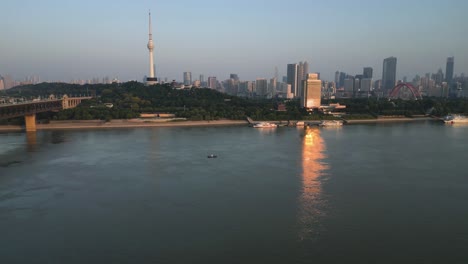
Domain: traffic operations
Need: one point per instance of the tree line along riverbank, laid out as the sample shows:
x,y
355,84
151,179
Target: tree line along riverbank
x,y
131,99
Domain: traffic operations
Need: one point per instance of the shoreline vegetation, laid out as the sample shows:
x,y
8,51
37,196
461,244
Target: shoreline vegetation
x,y
128,105
141,123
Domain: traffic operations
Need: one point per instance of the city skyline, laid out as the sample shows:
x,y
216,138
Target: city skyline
x,y
89,42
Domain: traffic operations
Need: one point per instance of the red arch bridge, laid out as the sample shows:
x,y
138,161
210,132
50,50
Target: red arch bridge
x,y
401,92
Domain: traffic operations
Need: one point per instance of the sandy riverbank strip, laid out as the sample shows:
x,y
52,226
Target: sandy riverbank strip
x,y
137,123
390,120
98,124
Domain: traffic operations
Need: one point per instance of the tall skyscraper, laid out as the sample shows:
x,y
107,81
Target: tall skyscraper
x,y
261,87
187,78
449,70
342,80
302,71
292,77
312,94
212,83
389,74
151,79
368,72
305,70
300,77
337,78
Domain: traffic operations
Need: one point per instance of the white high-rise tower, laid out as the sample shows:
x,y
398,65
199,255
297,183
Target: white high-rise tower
x,y
151,79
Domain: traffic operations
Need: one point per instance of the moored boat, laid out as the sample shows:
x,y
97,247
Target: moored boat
x,y
264,125
331,123
452,119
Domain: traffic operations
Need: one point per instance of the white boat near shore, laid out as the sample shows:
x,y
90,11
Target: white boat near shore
x,y
264,125
454,119
331,123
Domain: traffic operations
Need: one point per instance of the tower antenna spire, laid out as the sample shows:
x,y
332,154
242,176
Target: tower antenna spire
x,y
150,29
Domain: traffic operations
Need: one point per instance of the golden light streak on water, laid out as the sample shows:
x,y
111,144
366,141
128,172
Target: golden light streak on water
x,y
312,202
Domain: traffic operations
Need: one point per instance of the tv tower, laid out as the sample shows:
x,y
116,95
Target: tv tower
x,y
151,79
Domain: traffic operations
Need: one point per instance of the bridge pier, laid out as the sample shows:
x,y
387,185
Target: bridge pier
x,y
30,120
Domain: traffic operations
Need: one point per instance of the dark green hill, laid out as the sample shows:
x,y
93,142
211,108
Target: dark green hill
x,y
132,98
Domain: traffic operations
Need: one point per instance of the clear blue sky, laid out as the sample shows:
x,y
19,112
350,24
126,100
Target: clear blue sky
x,y
64,39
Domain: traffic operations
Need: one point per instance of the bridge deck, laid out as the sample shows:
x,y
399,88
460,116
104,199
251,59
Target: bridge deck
x,y
33,107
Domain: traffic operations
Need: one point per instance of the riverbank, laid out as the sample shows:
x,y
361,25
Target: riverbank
x,y
138,123
113,124
390,120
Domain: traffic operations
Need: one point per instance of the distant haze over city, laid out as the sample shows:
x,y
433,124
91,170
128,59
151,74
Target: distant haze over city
x,y
66,40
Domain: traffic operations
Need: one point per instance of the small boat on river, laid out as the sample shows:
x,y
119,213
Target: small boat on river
x,y
331,123
264,125
454,119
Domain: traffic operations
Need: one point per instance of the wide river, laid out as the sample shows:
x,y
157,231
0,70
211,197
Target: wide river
x,y
388,193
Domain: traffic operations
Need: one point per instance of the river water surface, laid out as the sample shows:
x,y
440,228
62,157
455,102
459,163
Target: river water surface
x,y
392,193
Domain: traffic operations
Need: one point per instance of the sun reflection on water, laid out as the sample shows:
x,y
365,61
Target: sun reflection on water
x,y
312,202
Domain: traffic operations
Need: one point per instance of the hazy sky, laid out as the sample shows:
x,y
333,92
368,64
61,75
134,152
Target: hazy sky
x,y
82,39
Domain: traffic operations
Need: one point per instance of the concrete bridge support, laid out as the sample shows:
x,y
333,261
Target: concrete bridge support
x,y
30,120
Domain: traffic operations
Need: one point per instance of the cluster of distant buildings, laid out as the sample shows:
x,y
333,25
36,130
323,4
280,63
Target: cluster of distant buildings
x,y
362,85
299,83
7,81
435,84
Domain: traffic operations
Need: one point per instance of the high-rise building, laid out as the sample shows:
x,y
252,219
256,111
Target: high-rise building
x,y
342,79
312,94
368,72
231,86
151,79
202,81
438,77
449,70
349,85
302,71
366,84
2,85
244,88
261,87
389,74
337,77
187,78
272,87
292,77
289,94
300,76
234,76
357,84
212,83
305,70
251,87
